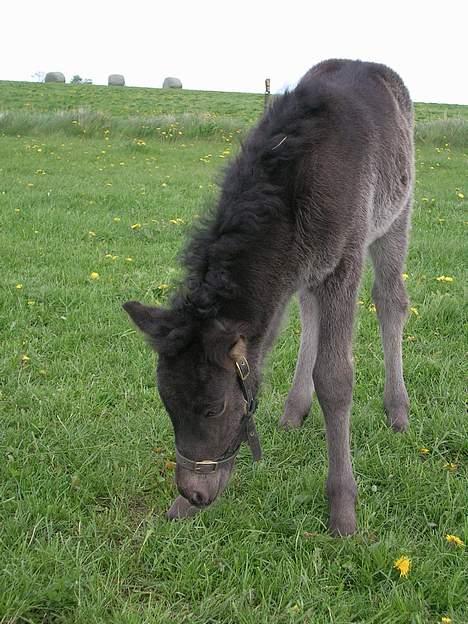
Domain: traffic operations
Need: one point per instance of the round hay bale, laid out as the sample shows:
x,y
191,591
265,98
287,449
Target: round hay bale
x,y
54,77
116,80
172,83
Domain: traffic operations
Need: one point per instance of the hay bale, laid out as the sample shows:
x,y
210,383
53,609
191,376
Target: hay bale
x,y
116,80
54,77
172,83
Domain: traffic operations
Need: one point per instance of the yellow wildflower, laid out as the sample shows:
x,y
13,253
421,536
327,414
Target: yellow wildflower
x,y
460,195
424,451
91,233
129,259
444,278
116,219
403,565
136,226
19,286
454,539
372,308
450,466
25,359
445,620
404,276
414,311
94,276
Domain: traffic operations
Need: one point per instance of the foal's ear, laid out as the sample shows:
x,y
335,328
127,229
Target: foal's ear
x,y
224,344
161,327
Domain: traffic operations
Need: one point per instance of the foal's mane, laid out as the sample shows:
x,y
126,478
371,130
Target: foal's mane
x,y
256,190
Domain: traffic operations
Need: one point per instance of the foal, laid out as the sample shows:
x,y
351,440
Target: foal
x,y
325,176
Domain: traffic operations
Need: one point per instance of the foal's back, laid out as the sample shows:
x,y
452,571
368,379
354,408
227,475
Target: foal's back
x,y
371,115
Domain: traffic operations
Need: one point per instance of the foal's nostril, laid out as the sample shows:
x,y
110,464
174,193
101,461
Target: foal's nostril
x,y
197,499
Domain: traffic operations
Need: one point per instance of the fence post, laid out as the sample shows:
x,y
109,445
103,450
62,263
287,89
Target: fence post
x,y
267,93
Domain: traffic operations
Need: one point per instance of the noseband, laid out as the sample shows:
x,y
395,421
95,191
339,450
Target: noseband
x,y
248,432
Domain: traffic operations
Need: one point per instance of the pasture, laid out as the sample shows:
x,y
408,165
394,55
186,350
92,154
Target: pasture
x,y
91,219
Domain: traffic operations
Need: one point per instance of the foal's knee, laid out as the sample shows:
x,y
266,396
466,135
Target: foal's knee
x,y
334,384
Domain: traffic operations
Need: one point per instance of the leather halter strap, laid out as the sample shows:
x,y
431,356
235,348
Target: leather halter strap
x,y
248,432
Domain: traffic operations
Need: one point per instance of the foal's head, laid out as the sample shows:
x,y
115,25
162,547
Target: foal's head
x,y
202,378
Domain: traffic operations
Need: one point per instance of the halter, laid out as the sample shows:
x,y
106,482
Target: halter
x,y
248,432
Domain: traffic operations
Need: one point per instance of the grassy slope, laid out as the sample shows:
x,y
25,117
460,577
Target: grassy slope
x,y
84,481
137,101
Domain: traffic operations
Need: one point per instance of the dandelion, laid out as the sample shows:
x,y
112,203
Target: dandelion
x,y
414,311
450,466
446,620
372,308
116,219
31,302
177,221
444,278
403,565
40,172
25,359
454,539
19,286
129,259
140,142
136,226
404,276
424,451
91,233
94,276
460,195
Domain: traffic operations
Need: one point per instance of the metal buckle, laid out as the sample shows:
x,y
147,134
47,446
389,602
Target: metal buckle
x,y
201,466
243,368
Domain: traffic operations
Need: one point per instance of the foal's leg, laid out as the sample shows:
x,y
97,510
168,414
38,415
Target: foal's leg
x,y
388,255
333,377
300,396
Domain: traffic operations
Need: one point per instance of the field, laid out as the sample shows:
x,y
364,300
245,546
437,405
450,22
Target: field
x,y
91,219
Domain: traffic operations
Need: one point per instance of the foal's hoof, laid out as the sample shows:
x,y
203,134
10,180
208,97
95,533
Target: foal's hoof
x,y
397,419
343,526
292,418
181,509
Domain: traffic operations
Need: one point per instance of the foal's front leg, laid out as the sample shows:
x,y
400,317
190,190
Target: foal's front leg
x,y
333,377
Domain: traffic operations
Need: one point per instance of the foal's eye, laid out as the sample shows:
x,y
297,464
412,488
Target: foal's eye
x,y
217,411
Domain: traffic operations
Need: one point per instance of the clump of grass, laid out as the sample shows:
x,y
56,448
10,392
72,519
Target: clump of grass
x,y
84,122
453,131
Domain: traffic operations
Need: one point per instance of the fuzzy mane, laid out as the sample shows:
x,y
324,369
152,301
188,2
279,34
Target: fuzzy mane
x,y
258,189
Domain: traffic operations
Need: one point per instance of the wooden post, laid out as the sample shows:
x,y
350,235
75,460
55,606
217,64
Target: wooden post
x,y
267,93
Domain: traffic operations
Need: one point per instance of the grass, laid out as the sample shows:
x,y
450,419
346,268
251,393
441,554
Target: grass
x,y
84,480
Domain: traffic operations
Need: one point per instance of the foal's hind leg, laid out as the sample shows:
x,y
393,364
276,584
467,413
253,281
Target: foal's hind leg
x,y
299,398
388,255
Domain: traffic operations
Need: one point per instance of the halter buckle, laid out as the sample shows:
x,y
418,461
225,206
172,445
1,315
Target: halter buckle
x,y
243,368
206,465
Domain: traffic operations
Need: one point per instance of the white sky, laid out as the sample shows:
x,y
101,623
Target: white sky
x,y
235,45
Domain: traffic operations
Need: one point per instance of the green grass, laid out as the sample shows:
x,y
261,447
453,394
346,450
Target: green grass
x,y
84,438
